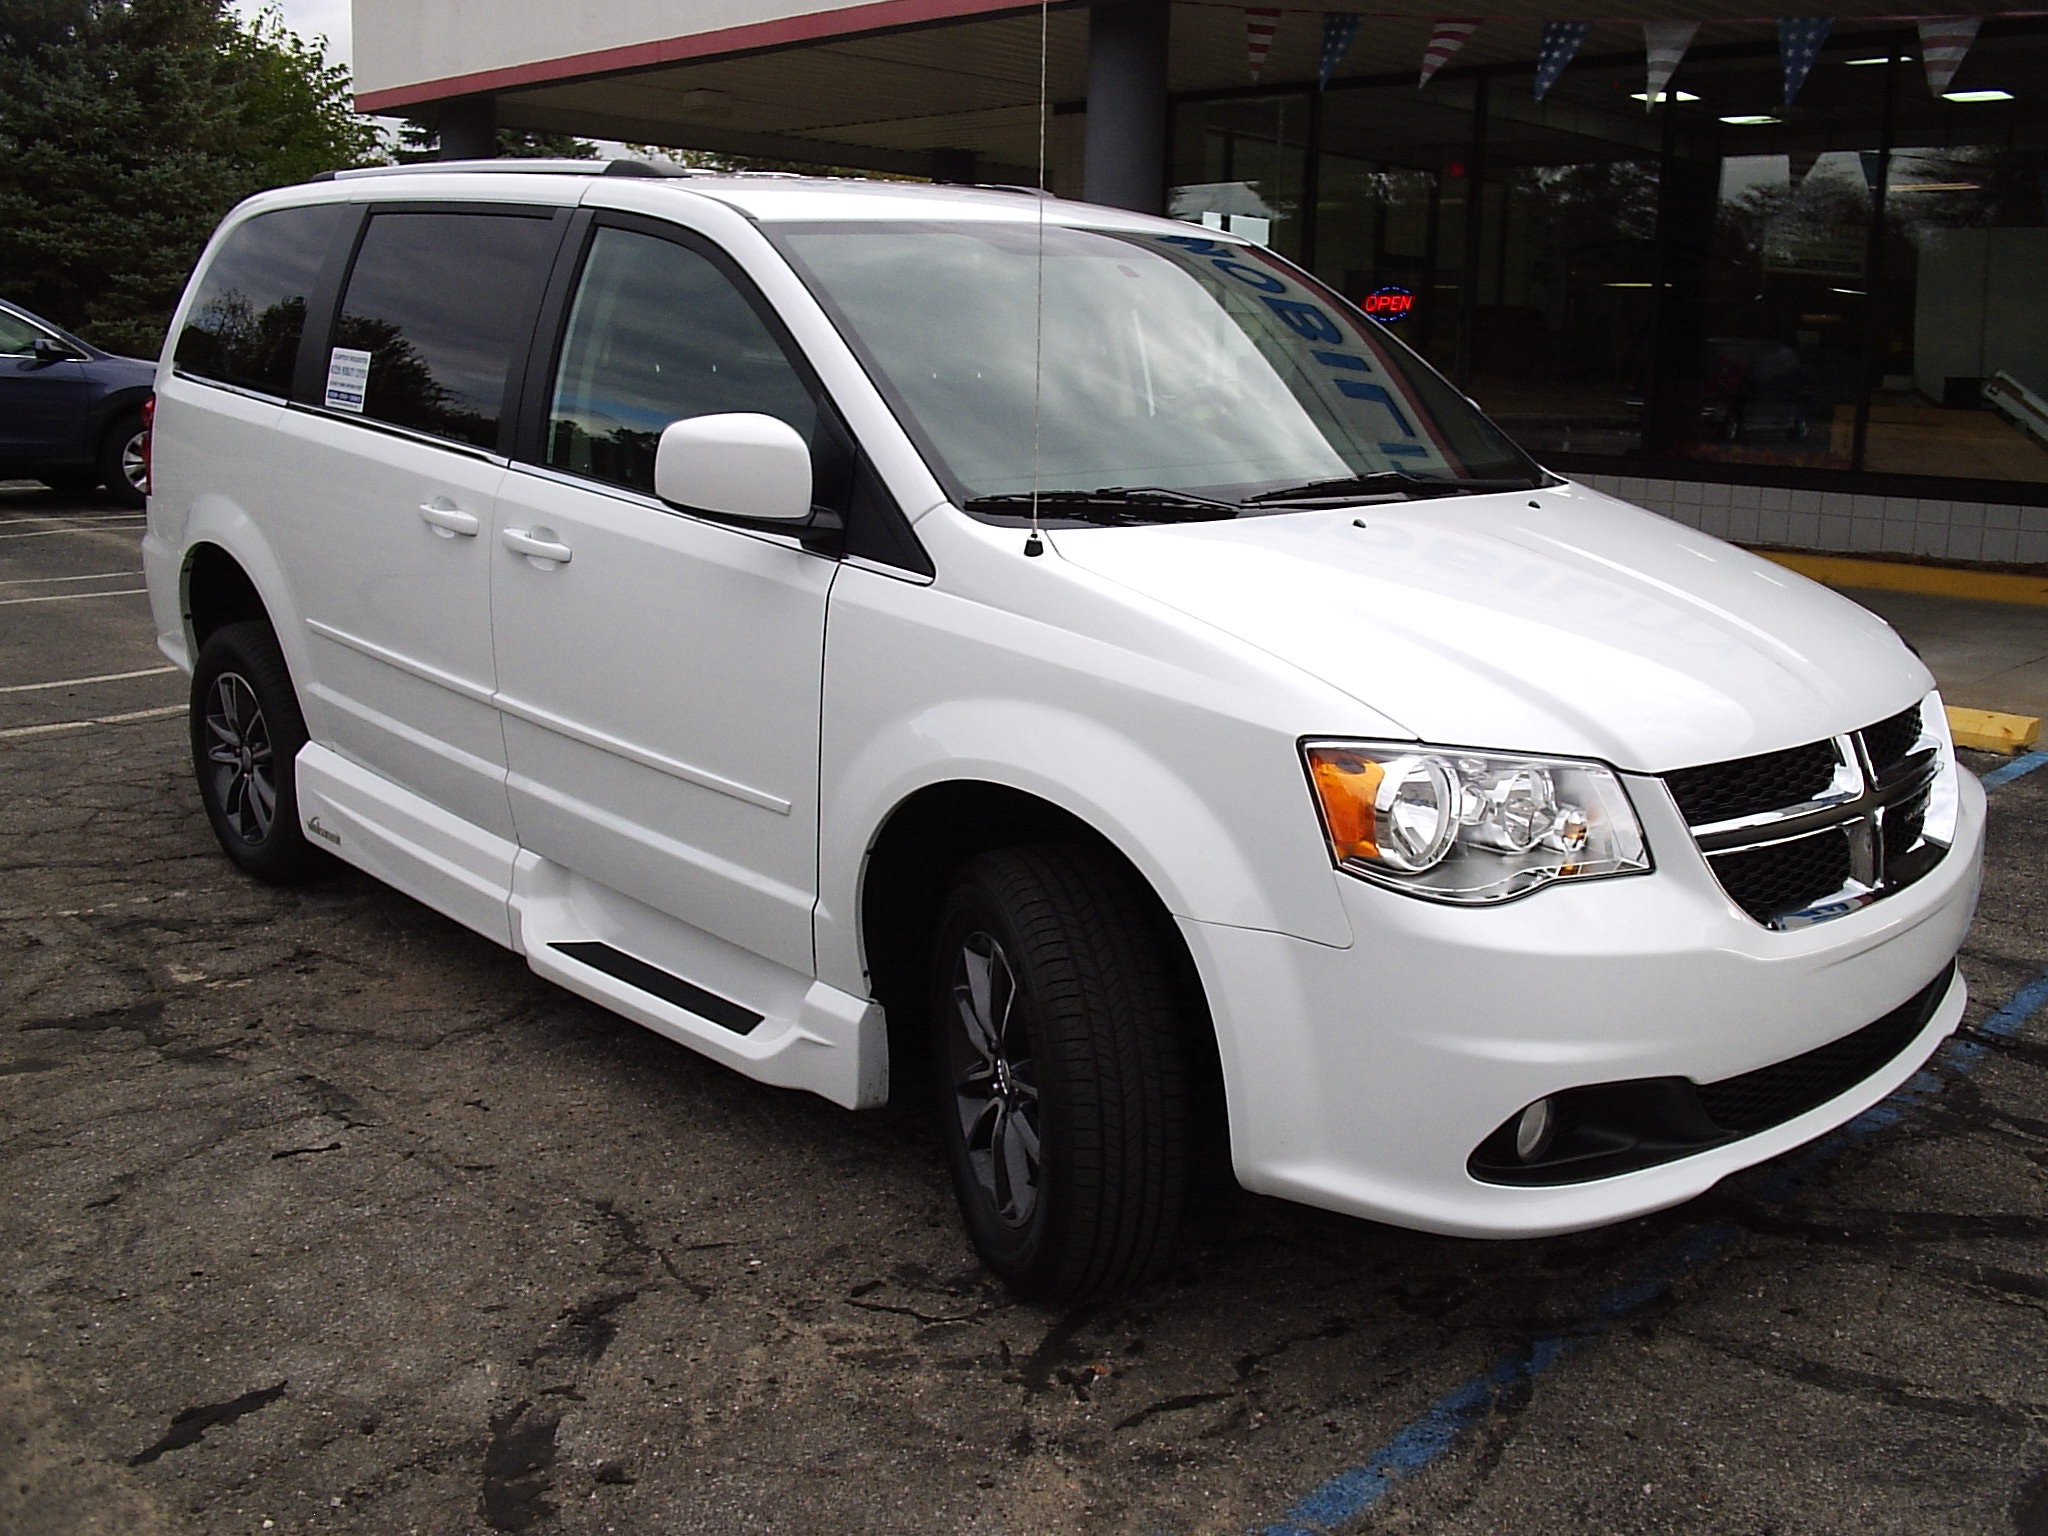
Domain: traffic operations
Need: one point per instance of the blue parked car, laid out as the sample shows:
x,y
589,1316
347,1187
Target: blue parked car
x,y
71,415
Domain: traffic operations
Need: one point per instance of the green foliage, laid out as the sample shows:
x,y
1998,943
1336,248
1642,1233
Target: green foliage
x,y
419,141
128,128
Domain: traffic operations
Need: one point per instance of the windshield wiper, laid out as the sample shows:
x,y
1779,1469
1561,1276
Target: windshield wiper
x,y
1113,503
1390,480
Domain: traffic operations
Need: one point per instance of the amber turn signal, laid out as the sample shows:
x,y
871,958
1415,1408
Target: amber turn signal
x,y
1348,786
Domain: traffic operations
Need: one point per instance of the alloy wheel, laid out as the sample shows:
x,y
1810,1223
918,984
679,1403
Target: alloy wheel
x,y
134,465
994,1078
243,764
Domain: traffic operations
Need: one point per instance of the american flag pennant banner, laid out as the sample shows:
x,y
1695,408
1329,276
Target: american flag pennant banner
x,y
1260,23
1665,42
1339,28
1943,42
1447,39
1799,44
1561,40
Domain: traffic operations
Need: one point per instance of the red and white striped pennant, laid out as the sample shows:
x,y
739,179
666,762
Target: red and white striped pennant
x,y
1447,39
1664,44
1260,23
1943,42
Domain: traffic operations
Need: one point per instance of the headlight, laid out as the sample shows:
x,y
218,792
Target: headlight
x,y
1471,827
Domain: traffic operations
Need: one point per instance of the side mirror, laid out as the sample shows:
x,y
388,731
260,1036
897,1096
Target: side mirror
x,y
48,349
740,465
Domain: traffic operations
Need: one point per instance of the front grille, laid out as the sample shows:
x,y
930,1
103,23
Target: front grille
x,y
1902,826
1816,831
1772,1095
1781,878
1749,785
1889,741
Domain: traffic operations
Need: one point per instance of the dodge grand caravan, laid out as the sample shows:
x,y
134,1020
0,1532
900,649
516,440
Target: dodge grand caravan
x,y
851,628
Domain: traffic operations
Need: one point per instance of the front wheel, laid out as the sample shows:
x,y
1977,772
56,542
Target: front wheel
x,y
1063,1073
246,734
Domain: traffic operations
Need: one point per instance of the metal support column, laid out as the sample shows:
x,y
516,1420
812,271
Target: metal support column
x,y
468,129
1124,161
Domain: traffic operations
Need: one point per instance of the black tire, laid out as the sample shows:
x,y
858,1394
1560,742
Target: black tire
x,y
247,730
1081,1052
120,461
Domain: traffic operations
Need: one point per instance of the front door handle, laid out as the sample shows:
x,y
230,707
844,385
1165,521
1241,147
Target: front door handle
x,y
449,520
535,544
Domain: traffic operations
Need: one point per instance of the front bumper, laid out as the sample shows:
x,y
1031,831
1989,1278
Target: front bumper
x,y
1363,1079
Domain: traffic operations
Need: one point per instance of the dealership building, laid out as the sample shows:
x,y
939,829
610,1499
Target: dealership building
x,y
1821,325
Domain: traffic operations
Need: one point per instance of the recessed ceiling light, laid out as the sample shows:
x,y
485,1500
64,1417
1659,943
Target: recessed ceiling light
x,y
1666,96
1874,61
1628,285
1976,95
1752,122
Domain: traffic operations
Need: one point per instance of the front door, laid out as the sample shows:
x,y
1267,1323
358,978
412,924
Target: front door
x,y
659,672
42,404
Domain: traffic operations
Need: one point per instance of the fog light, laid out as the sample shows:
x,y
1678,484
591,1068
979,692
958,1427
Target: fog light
x,y
1533,1128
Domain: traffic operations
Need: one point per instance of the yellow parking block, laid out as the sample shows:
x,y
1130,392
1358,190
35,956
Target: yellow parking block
x,y
1989,731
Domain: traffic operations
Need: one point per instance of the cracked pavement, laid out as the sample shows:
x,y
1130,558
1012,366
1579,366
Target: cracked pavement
x,y
322,1214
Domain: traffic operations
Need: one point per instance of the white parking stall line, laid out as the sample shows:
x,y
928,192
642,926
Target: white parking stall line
x,y
51,533
73,517
86,725
44,581
71,597
80,682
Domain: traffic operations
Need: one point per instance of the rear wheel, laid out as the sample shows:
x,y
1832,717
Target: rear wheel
x,y
123,469
1064,1085
246,734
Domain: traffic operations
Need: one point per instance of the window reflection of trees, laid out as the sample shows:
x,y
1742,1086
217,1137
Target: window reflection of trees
x,y
228,338
402,388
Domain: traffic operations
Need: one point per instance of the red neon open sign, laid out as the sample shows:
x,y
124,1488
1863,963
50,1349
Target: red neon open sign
x,y
1389,304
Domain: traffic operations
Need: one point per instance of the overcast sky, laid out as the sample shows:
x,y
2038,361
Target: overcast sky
x,y
311,18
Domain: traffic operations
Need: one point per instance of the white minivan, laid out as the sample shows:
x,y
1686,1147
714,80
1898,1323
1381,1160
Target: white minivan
x,y
880,635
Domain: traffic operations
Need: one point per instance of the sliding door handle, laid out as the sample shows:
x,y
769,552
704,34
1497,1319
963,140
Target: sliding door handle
x,y
449,520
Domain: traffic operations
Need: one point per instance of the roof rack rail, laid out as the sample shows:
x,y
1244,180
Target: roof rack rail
x,y
1007,186
512,165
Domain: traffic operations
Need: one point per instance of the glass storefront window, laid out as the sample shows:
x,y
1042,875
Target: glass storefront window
x,y
1778,372
1851,283
1240,166
1962,376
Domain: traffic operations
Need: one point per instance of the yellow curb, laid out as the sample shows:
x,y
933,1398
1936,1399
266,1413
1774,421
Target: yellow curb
x,y
1894,576
1989,731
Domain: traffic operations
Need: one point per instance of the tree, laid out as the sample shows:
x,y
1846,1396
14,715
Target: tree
x,y
418,141
128,128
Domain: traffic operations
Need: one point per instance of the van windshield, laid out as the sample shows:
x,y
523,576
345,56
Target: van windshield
x,y
1162,363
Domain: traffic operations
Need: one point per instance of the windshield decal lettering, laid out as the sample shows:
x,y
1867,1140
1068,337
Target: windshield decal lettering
x,y
1313,323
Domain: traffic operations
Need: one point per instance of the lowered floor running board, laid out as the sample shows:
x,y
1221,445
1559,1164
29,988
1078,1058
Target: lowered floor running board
x,y
670,988
772,1023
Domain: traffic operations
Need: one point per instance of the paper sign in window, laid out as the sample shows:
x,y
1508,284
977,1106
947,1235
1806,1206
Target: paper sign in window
x,y
348,376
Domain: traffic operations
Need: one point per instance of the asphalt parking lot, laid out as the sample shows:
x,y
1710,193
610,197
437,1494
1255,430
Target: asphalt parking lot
x,y
322,1214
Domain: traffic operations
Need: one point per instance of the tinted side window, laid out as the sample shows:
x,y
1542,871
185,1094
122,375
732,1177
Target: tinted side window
x,y
658,333
245,322
16,335
436,312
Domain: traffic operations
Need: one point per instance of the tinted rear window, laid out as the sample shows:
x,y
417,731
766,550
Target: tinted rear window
x,y
244,325
438,309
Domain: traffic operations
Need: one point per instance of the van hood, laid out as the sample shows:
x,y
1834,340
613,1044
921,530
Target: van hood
x,y
1558,621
